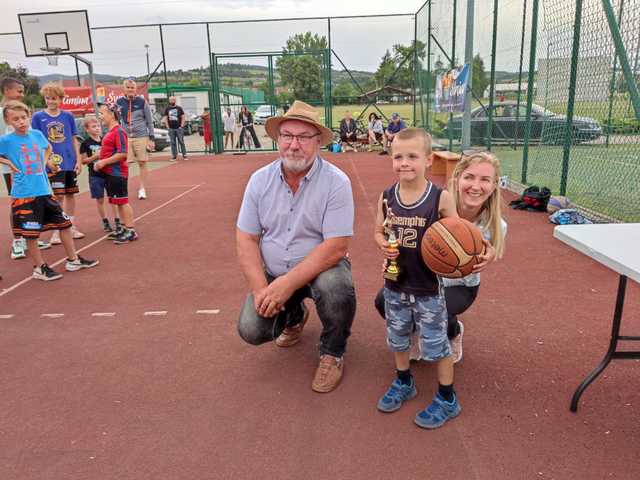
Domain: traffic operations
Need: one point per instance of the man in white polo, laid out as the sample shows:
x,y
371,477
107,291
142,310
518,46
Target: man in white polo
x,y
137,121
292,235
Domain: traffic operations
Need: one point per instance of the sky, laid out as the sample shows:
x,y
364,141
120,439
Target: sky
x,y
359,43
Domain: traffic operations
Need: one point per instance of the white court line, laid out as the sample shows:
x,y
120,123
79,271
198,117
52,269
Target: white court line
x,y
157,313
103,314
6,317
52,315
22,282
208,312
372,208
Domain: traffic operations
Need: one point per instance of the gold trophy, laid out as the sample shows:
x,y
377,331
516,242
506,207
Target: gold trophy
x,y
392,270
56,160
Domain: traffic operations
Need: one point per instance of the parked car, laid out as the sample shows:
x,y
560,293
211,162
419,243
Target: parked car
x,y
546,126
263,112
188,129
161,139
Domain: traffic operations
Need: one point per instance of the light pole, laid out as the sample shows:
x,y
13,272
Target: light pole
x,y
146,46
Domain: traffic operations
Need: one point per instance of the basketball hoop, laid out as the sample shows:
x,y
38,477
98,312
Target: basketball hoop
x,y
52,55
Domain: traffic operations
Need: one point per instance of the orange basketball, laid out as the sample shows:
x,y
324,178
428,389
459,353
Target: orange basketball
x,y
450,247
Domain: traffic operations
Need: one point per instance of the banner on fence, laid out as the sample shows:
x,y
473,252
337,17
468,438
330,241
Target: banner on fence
x,y
451,88
78,100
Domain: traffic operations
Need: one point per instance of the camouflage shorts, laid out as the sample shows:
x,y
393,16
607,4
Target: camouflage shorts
x,y
427,315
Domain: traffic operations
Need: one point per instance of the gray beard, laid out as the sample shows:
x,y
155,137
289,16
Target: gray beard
x,y
297,167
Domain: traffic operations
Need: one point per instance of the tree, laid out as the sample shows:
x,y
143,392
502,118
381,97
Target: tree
x,y
479,78
344,92
31,87
303,73
402,60
385,70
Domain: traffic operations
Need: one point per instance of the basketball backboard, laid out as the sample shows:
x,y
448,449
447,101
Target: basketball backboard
x,y
63,33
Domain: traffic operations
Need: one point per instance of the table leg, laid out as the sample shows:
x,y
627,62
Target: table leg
x,y
613,343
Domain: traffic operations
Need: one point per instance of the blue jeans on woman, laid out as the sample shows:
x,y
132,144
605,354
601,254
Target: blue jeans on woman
x,y
335,299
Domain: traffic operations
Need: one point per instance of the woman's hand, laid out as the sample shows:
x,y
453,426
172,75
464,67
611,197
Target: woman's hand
x,y
486,258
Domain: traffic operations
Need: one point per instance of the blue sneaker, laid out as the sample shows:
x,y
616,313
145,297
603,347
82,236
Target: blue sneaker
x,y
397,393
436,414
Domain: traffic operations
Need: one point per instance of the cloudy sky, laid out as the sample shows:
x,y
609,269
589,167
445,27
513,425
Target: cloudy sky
x,y
358,42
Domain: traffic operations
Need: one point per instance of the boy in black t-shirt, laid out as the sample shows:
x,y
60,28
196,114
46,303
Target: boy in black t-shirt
x,y
413,298
89,153
174,119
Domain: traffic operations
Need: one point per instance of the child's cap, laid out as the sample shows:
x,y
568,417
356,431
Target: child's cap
x,y
395,115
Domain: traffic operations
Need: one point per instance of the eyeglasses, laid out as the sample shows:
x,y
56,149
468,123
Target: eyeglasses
x,y
287,138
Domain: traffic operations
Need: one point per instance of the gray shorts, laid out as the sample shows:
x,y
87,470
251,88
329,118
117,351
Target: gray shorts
x,y
427,315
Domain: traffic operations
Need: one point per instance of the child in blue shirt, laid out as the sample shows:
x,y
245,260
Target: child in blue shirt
x,y
59,127
34,210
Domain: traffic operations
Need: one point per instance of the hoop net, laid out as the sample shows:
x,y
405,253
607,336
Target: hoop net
x,y
52,58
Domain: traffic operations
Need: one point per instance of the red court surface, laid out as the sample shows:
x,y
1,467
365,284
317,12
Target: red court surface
x,y
152,389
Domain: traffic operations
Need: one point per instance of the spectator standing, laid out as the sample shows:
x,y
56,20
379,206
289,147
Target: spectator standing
x,y
137,121
229,124
173,119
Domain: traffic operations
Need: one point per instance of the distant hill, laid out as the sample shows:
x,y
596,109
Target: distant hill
x,y
102,78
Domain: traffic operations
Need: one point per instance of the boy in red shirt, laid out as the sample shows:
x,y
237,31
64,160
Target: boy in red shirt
x,y
113,163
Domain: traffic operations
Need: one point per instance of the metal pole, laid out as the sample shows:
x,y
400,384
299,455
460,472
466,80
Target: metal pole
x,y
271,97
532,67
77,73
164,63
492,85
612,85
622,56
415,64
430,77
212,106
516,134
92,81
573,76
329,99
146,46
468,59
453,62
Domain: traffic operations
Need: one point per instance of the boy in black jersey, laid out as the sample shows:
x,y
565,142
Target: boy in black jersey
x,y
89,154
414,300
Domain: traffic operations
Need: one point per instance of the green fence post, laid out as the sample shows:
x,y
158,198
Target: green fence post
x,y
524,27
453,65
573,76
492,81
429,72
329,88
415,64
622,56
272,94
612,85
212,110
530,80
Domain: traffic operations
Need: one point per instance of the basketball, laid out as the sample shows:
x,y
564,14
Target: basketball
x,y
450,247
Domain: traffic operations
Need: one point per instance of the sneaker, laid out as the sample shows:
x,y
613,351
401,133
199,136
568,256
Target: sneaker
x,y
126,236
116,233
18,249
456,344
292,335
142,194
185,158
106,226
436,414
46,273
328,374
397,394
383,152
42,245
172,159
75,233
79,263
55,238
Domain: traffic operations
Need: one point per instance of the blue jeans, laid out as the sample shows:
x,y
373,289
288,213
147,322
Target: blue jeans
x,y
176,136
335,299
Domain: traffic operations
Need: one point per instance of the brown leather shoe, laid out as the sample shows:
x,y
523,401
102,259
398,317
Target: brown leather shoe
x,y
292,335
328,374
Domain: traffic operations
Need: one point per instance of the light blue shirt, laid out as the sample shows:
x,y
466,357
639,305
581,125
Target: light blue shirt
x,y
292,225
27,153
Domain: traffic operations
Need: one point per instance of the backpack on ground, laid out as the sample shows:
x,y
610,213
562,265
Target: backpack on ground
x,y
533,198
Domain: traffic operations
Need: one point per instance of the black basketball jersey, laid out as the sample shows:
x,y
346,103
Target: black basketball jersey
x,y
410,222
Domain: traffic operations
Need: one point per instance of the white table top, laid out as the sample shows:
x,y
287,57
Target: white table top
x,y
616,245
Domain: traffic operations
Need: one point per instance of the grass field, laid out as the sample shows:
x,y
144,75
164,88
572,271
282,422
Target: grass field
x,y
601,179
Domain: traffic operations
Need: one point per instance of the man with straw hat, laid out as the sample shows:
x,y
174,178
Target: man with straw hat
x,y
292,236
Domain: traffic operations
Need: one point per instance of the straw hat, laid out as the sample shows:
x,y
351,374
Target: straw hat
x,y
304,113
